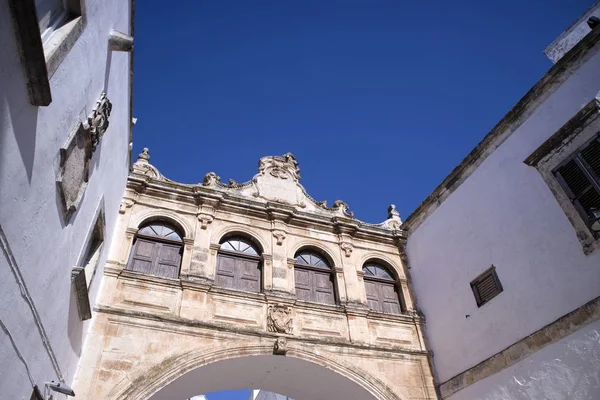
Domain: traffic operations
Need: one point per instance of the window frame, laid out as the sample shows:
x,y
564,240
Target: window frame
x,y
242,256
160,241
312,269
394,282
491,271
41,57
558,150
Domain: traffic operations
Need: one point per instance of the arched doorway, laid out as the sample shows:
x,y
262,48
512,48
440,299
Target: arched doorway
x,y
298,374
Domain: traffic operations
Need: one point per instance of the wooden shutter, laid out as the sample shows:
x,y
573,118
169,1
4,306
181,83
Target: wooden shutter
x,y
248,275
143,254
226,270
168,258
303,284
373,295
486,286
323,287
389,298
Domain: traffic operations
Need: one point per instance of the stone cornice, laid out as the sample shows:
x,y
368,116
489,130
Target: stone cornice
x,y
506,127
194,195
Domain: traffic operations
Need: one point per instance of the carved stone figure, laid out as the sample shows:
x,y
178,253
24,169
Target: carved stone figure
x,y
280,347
210,179
279,318
279,235
282,167
347,248
97,122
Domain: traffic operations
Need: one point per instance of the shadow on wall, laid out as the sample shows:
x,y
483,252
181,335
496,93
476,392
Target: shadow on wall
x,y
22,117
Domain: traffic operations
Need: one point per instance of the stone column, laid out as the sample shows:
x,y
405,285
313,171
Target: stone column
x,y
280,271
202,261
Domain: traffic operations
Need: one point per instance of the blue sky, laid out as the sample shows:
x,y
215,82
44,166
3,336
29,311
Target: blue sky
x,y
378,100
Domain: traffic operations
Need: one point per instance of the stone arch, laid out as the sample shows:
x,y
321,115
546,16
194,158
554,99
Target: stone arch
x,y
166,215
318,247
396,269
147,383
252,234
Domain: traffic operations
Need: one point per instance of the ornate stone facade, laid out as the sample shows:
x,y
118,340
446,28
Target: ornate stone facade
x,y
150,331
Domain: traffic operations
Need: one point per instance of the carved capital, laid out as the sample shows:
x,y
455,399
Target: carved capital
x,y
347,248
279,318
205,220
214,248
279,235
130,233
189,243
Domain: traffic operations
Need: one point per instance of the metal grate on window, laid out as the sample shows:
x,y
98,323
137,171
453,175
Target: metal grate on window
x,y
486,286
579,177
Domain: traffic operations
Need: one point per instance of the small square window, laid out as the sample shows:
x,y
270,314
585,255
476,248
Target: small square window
x,y
486,286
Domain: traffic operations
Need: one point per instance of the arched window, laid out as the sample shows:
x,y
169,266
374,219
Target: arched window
x,y
157,250
238,265
314,278
382,289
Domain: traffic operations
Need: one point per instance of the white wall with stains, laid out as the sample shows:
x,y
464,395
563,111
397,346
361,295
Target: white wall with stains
x,y
568,369
38,314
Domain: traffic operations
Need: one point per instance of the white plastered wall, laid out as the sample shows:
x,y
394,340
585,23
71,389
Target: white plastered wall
x,y
45,247
504,214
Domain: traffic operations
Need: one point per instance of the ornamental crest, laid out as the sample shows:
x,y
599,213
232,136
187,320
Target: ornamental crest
x,y
282,167
97,122
279,319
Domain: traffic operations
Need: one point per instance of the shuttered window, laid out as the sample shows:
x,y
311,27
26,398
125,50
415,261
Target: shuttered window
x,y
157,251
579,176
238,265
381,289
51,14
314,278
486,286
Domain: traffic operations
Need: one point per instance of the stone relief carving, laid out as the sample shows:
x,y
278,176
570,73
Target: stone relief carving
x,y
125,204
282,167
73,174
97,122
280,347
347,248
279,318
279,235
211,179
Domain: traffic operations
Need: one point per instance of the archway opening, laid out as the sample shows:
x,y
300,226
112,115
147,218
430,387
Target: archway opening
x,y
289,376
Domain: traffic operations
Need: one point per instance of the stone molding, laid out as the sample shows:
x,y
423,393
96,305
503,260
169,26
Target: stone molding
x,y
551,333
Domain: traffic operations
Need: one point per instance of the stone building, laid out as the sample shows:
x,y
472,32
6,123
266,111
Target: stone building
x,y
505,253
65,131
218,286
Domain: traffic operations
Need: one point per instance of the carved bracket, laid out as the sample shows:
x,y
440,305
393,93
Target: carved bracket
x,y
279,318
347,248
279,235
205,220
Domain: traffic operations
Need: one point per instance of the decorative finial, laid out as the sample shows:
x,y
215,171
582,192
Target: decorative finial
x,y
392,213
144,156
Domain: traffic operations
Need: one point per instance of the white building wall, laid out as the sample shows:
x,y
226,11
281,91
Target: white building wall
x,y
504,214
45,248
567,369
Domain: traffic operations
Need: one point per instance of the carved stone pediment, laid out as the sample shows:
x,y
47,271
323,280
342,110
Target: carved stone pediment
x,y
279,318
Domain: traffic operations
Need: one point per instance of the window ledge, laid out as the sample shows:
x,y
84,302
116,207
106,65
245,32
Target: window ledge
x,y
61,42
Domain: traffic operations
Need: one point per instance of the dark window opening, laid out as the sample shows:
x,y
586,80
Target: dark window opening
x,y
579,177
